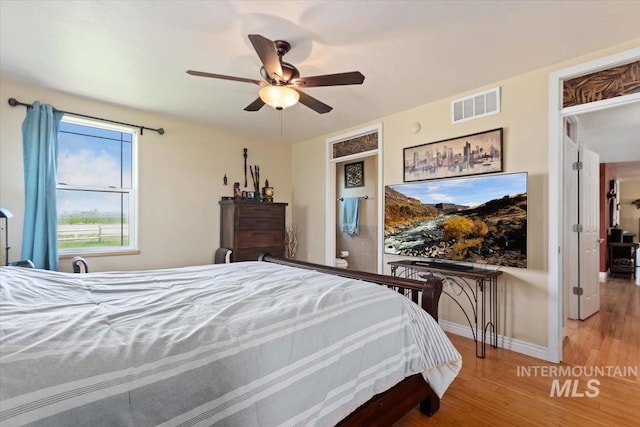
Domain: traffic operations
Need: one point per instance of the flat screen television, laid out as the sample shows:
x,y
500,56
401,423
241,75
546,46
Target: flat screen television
x,y
477,219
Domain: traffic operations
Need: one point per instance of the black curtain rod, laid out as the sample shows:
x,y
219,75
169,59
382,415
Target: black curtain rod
x,y
14,103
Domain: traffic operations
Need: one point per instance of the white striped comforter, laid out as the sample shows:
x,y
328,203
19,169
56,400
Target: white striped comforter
x,y
244,344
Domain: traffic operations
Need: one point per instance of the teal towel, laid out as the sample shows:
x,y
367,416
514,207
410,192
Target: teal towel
x,y
351,215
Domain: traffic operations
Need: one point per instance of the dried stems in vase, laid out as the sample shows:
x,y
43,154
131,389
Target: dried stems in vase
x,y
290,241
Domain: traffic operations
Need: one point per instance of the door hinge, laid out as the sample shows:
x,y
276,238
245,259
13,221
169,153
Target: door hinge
x,y
576,166
577,228
577,290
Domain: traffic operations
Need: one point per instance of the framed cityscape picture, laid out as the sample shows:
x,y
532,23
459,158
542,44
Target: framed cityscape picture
x,y
473,154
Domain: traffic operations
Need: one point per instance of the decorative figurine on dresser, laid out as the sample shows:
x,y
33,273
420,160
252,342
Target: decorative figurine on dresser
x,y
267,192
250,228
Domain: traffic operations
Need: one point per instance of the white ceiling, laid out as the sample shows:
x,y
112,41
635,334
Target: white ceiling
x,y
135,53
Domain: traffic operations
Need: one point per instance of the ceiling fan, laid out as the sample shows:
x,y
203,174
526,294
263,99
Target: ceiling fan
x,y
282,81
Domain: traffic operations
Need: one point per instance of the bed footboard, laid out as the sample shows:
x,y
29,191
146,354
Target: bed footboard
x,y
388,407
424,293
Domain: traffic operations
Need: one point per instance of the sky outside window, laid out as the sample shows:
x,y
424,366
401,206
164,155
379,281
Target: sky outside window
x,y
92,157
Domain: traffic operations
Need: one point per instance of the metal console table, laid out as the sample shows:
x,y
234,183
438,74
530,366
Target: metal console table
x,y
463,277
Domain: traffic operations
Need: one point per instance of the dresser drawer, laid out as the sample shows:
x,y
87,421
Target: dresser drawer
x,y
260,223
259,238
265,210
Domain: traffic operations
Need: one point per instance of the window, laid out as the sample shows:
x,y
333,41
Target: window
x,y
96,187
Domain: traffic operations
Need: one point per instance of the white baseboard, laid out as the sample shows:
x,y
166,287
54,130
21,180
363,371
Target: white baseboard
x,y
603,276
533,350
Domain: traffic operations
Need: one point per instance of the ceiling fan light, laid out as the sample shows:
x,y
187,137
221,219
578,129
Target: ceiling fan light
x,y
279,97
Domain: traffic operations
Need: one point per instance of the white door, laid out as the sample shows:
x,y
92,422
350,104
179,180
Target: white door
x,y
589,236
570,253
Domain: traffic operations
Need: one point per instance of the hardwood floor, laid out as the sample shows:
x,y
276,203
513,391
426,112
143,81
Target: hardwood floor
x,y
611,336
490,391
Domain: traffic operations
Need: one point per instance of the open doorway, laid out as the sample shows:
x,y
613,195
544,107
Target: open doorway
x,y
357,214
557,114
611,137
362,146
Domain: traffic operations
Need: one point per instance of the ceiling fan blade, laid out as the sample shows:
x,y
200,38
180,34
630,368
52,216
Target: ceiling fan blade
x,y
313,103
255,105
266,50
223,77
350,78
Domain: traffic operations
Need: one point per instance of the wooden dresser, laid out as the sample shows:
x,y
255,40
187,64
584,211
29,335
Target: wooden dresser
x,y
252,228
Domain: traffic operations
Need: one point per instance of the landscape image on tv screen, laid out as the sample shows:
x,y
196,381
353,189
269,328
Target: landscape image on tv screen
x,y
479,219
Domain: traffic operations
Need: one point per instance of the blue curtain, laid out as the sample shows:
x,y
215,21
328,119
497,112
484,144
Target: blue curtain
x,y
40,151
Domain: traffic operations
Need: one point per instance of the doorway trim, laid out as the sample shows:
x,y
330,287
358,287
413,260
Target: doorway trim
x,y
556,132
330,202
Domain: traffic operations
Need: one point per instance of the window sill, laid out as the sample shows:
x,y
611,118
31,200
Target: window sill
x,y
68,255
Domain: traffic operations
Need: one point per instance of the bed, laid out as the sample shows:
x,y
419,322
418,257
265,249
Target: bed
x,y
262,343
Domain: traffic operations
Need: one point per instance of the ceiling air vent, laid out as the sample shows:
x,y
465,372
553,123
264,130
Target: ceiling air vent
x,y
478,105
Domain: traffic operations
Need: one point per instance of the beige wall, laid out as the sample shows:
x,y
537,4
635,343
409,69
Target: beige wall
x,y
180,178
524,117
308,183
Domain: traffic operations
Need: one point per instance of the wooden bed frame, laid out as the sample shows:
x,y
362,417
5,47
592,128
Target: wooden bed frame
x,y
385,408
